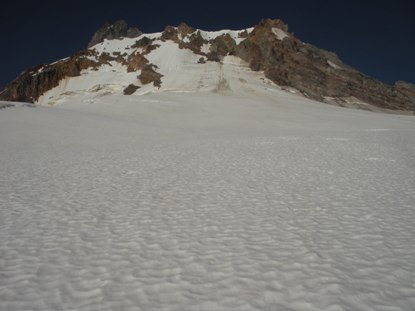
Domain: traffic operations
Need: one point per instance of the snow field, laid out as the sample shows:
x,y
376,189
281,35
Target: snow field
x,y
205,201
180,68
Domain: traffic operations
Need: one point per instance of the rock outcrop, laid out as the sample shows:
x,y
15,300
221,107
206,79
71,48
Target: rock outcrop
x,y
118,30
32,83
318,74
130,89
149,75
407,89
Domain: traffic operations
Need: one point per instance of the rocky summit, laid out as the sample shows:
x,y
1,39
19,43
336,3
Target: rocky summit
x,y
117,30
121,59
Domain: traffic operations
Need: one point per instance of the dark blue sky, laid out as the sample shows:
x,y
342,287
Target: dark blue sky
x,y
376,38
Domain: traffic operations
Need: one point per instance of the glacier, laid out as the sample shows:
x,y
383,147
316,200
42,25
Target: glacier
x,y
205,201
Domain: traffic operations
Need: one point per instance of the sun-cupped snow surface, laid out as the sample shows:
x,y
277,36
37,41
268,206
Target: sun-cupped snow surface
x,y
206,202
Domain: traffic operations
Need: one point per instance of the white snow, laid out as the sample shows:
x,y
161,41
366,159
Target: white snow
x,y
182,73
60,60
244,201
111,46
205,48
333,65
179,67
210,35
279,33
109,79
216,191
121,45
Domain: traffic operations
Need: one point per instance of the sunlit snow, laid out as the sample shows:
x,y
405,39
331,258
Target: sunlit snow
x,y
205,201
279,33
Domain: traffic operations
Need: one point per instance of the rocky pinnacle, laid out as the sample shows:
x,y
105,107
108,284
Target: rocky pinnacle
x,y
118,30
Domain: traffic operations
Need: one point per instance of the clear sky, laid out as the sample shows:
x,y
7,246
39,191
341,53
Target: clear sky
x,y
374,37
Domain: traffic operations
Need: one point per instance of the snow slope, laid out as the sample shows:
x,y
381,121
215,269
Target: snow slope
x,y
181,69
205,201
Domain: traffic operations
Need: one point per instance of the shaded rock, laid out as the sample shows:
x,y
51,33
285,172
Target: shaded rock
x,y
406,88
142,43
316,73
117,30
223,45
213,56
136,61
131,89
185,29
194,42
170,33
185,36
146,44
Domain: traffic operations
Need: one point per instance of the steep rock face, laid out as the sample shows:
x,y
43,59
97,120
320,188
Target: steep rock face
x,y
185,36
117,30
406,89
221,46
130,89
149,75
32,83
318,74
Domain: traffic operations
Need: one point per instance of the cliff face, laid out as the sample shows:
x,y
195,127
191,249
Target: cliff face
x,y
32,83
317,73
118,30
268,47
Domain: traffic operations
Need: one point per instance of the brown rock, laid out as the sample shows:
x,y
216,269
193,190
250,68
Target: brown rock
x,y
142,43
136,61
148,75
31,84
185,29
195,42
170,33
316,73
223,45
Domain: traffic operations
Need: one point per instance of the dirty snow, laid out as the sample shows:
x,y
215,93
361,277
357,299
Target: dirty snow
x,y
111,78
279,33
206,201
210,35
333,65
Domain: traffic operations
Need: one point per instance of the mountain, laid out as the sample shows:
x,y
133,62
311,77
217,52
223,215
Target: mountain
x,y
122,60
216,190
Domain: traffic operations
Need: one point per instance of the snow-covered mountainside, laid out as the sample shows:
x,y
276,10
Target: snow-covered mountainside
x,y
123,60
203,201
193,170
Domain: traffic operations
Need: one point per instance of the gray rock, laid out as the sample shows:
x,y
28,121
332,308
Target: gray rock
x,y
118,30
